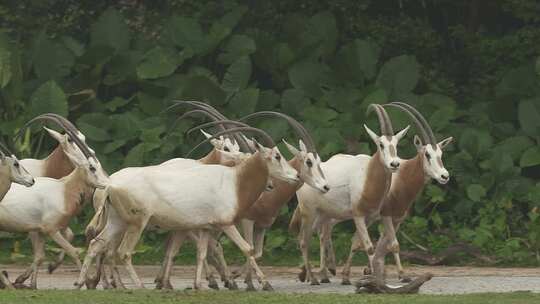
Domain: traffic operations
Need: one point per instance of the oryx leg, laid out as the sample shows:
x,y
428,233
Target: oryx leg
x,y
112,231
71,251
390,228
202,248
4,282
216,258
176,239
68,235
235,236
330,256
247,228
306,232
116,278
363,235
356,245
38,248
324,236
127,247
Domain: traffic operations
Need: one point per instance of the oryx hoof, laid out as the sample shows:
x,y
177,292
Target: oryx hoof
x,y
302,275
231,285
213,285
78,285
367,271
314,282
92,283
267,287
52,267
250,288
22,286
325,280
345,281
332,271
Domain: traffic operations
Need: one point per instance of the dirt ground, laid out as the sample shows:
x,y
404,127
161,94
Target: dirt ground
x,y
446,280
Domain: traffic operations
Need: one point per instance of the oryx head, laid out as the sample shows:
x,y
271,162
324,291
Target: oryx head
x,y
95,176
10,165
278,167
227,149
427,147
310,170
387,142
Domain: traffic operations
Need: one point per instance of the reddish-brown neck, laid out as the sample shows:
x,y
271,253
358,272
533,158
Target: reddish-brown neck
x,y
57,164
5,181
211,158
376,185
251,179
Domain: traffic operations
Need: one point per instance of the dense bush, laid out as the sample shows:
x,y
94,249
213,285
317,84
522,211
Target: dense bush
x,y
471,67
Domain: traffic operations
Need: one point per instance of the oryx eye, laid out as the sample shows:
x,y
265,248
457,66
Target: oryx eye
x,y
381,145
16,165
428,156
92,169
226,149
70,140
309,163
278,157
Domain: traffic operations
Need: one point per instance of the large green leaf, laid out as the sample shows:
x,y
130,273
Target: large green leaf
x,y
95,126
358,60
294,101
244,102
204,89
158,62
476,192
5,67
110,30
529,116
49,98
186,33
399,76
319,116
237,75
530,158
238,46
51,59
309,76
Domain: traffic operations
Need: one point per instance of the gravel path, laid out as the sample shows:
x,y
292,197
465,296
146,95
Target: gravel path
x,y
447,280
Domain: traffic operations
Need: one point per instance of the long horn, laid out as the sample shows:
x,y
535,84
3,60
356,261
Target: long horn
x,y
4,150
206,107
298,127
418,123
49,117
70,126
191,113
217,123
387,120
431,136
380,116
267,139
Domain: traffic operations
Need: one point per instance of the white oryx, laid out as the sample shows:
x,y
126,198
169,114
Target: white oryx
x,y
47,207
264,211
358,185
57,164
197,198
226,152
11,171
406,185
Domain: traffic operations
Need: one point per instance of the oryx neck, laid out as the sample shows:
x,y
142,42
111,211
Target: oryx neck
x,y
407,184
267,206
57,164
77,190
251,179
5,181
376,186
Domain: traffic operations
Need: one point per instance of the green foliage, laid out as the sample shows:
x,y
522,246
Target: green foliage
x,y
113,69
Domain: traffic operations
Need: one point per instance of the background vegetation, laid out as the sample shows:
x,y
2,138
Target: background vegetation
x,y
471,67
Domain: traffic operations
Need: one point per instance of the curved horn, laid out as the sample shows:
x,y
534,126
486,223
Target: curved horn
x,y
217,123
418,123
191,113
206,107
4,150
298,127
268,140
68,128
387,120
380,116
427,127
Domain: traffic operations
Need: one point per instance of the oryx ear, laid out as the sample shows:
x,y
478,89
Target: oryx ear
x,y
302,146
418,143
56,135
402,133
2,157
445,142
291,148
207,135
257,145
371,134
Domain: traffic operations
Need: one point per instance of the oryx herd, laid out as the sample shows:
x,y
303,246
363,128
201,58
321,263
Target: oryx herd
x,y
240,185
